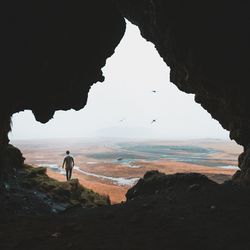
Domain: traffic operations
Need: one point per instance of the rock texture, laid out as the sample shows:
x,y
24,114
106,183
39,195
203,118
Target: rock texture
x,y
52,52
11,160
207,50
32,192
155,182
211,217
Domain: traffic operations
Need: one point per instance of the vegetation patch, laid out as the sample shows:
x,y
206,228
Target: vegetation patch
x,y
71,192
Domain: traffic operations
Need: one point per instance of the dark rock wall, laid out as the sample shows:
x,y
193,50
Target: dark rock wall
x,y
52,51
206,45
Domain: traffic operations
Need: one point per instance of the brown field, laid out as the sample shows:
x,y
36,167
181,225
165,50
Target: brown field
x,y
52,152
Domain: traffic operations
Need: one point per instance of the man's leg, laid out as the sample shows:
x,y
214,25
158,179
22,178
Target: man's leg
x,y
67,174
70,173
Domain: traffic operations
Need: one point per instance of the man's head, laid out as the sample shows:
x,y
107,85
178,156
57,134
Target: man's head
x,y
67,152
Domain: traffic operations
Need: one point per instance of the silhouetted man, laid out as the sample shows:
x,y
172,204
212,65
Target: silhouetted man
x,y
69,164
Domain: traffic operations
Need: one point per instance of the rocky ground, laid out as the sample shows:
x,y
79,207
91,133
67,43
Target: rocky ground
x,y
181,211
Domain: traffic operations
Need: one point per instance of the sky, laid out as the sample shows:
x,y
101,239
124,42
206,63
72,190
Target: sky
x,y
124,105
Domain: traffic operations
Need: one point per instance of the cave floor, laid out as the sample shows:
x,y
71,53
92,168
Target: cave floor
x,y
213,217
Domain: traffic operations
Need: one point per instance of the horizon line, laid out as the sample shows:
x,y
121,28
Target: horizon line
x,y
122,138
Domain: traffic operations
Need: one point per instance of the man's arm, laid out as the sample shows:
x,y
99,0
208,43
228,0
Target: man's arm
x,y
63,163
73,161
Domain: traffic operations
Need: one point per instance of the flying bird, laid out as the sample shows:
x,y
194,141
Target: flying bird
x,y
154,91
153,121
122,120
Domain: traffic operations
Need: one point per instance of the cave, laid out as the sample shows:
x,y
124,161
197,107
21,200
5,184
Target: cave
x,y
37,62
135,89
45,46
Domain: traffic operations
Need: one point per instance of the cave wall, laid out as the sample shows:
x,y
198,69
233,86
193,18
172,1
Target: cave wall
x,y
206,45
53,51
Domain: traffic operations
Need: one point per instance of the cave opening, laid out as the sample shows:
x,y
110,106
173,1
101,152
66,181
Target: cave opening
x,y
155,167
136,91
135,116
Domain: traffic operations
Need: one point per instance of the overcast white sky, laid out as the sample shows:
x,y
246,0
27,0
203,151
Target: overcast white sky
x,y
124,104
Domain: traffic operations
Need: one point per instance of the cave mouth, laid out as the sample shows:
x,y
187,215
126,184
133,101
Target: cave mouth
x,y
134,118
207,57
137,91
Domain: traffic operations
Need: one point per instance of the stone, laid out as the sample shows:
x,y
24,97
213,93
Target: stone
x,y
194,187
155,182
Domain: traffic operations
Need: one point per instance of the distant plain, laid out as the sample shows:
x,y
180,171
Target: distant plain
x,y
112,166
